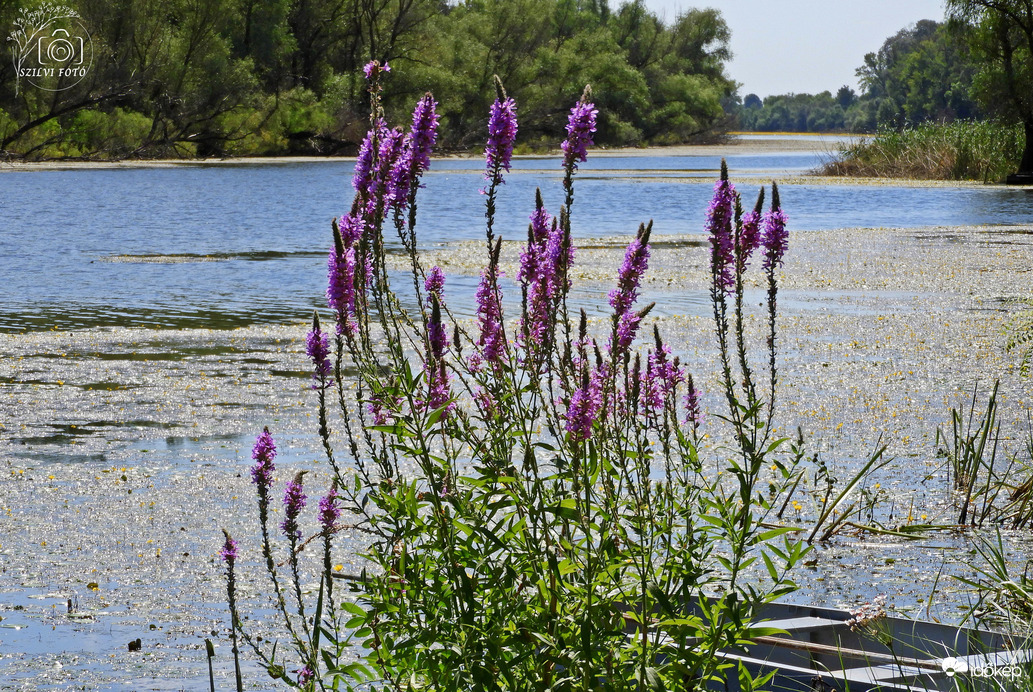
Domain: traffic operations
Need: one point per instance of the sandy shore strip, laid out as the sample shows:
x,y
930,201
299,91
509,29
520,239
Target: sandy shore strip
x,y
745,144
125,451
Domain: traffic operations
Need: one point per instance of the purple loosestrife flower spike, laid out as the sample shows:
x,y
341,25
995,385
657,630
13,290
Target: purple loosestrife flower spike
x,y
340,287
719,226
293,502
502,130
750,235
435,282
329,512
776,237
305,676
693,412
263,453
585,404
317,346
381,187
489,314
580,127
374,68
363,175
663,375
492,339
636,261
228,554
415,152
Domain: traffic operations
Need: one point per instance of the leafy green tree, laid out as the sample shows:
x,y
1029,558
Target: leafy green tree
x,y
1002,40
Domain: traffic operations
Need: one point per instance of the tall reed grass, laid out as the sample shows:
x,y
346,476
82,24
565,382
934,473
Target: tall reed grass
x,y
962,150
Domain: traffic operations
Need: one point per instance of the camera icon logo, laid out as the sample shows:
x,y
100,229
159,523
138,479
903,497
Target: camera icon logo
x,y
53,50
60,47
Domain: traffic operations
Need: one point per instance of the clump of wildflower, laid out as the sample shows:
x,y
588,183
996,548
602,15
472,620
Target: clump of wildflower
x,y
317,346
719,226
329,511
580,127
293,502
263,453
776,237
502,131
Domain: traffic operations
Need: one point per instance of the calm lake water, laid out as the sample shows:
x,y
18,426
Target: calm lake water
x,y
231,245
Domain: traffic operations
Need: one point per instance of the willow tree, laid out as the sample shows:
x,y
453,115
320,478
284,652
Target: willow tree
x,y
1003,42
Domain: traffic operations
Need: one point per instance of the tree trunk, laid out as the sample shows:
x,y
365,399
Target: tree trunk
x,y
1026,165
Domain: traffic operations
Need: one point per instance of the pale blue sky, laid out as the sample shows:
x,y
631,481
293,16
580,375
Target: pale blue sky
x,y
804,46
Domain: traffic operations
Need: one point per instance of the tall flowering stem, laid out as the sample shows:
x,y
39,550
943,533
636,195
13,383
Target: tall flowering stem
x,y
492,339
721,231
293,502
580,128
623,297
775,240
747,240
228,554
498,153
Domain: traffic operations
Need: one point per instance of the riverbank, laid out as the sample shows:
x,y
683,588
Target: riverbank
x,y
125,451
745,144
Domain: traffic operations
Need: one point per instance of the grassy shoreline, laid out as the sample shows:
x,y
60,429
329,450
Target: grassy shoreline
x,y
962,150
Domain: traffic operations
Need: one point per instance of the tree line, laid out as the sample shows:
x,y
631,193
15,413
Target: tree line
x,y
268,77
978,65
924,72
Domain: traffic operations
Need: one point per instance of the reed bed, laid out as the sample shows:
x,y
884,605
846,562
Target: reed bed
x,y
962,150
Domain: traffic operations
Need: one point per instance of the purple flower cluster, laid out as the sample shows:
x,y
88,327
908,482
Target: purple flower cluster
x,y
305,676
663,375
693,411
293,502
363,176
415,152
502,131
374,68
329,511
636,260
749,237
439,389
435,282
543,264
341,265
263,453
776,238
229,550
492,340
720,215
317,346
580,127
585,404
